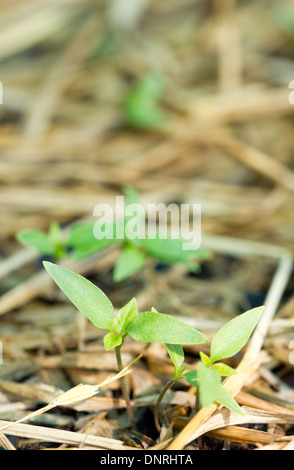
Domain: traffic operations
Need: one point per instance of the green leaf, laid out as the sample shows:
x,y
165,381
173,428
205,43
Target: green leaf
x,y
177,356
223,369
38,239
234,335
211,390
111,341
171,251
125,315
86,251
141,103
87,297
209,382
224,398
55,236
130,261
131,194
192,378
82,236
153,327
205,359
55,233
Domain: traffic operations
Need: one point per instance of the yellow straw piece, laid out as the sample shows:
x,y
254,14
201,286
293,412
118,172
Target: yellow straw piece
x,y
76,394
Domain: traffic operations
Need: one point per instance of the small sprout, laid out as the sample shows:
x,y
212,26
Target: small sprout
x,y
153,327
125,315
141,105
146,327
50,243
229,340
83,241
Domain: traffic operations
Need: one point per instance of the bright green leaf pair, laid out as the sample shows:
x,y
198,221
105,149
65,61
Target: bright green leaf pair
x,y
148,327
80,242
226,343
85,239
229,340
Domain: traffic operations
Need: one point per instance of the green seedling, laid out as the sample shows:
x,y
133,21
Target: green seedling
x,y
207,378
81,242
78,243
141,107
51,243
147,327
229,340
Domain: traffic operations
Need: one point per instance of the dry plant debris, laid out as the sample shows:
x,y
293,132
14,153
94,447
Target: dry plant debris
x,y
226,143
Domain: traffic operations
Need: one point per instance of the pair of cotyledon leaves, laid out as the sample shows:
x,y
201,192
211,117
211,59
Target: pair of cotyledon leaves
x,y
155,327
96,306
226,343
85,239
82,243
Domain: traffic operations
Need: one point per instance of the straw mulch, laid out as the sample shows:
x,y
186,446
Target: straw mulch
x,y
66,67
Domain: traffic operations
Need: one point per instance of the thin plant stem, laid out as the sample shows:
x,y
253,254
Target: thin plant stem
x,y
159,400
197,400
197,408
124,387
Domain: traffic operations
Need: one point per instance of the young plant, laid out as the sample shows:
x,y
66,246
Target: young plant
x,y
82,241
51,243
141,107
207,378
148,327
229,340
78,243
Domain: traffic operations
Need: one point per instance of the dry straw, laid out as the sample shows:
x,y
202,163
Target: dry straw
x,y
74,395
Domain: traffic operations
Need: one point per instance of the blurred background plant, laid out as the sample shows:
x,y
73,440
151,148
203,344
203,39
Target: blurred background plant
x,y
81,242
187,101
